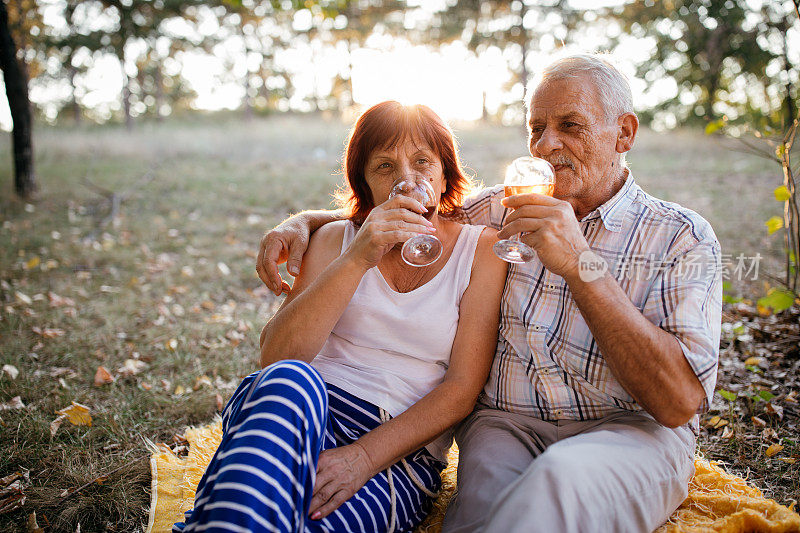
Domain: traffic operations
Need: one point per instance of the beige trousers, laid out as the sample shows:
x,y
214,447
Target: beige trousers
x,y
622,473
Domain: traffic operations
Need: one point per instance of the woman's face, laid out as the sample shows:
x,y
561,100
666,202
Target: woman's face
x,y
408,156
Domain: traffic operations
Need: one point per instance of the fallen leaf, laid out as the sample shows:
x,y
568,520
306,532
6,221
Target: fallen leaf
x,y
131,367
59,301
14,403
776,410
218,398
48,333
200,381
145,385
171,345
717,422
55,424
11,370
789,460
179,390
791,397
773,449
102,377
24,298
769,434
58,371
759,422
12,487
727,433
224,269
754,361
77,414
33,526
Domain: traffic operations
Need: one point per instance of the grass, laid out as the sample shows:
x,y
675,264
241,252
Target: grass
x,y
171,280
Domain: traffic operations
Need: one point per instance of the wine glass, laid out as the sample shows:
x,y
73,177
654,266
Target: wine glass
x,y
524,175
422,250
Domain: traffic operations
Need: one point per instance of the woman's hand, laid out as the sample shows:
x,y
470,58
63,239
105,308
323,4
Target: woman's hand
x,y
341,472
395,220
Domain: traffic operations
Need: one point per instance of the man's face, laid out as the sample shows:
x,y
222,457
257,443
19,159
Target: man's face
x,y
570,130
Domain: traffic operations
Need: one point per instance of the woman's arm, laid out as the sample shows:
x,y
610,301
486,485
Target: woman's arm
x,y
342,471
289,333
326,281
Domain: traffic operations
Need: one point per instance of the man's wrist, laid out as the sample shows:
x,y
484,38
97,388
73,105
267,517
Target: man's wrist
x,y
585,267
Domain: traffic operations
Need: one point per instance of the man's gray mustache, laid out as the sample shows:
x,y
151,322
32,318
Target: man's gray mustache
x,y
562,160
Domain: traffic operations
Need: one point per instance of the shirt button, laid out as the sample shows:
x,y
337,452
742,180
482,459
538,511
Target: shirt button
x,y
545,371
559,412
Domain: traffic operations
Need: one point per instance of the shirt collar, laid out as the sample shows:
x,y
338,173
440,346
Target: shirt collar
x,y
612,212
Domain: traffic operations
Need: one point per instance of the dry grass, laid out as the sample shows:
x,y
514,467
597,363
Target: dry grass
x,y
154,276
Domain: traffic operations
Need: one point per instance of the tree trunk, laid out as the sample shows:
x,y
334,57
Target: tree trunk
x,y
524,69
159,82
791,111
76,107
246,101
16,81
126,93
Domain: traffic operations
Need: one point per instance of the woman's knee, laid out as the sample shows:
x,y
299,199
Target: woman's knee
x,y
300,376
296,371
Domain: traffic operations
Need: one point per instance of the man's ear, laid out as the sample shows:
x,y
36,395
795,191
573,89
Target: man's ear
x,y
628,125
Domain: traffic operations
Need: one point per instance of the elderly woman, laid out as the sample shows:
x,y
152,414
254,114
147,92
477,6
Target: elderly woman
x,y
369,361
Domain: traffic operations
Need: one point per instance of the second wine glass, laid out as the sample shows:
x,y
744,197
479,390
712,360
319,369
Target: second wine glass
x,y
422,250
524,175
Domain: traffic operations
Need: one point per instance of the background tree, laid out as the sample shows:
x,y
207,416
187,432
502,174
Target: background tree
x,y
16,81
722,54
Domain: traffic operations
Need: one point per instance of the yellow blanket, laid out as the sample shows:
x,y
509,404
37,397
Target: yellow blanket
x,y
717,502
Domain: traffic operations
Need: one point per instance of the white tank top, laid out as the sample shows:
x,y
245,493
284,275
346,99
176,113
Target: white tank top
x,y
392,348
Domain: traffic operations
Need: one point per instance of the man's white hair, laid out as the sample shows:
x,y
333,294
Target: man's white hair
x,y
612,85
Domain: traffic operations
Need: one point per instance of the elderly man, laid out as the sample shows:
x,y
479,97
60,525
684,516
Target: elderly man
x,y
609,338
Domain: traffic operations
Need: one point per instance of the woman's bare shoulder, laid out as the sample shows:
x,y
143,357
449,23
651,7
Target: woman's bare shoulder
x,y
326,242
486,261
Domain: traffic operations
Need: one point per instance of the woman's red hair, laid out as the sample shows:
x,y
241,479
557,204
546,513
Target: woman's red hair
x,y
383,126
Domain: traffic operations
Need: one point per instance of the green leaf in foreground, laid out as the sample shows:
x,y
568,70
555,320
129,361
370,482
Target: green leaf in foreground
x,y
766,395
774,224
730,396
777,299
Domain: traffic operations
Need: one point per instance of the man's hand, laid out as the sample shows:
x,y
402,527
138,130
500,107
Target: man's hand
x,y
341,472
549,226
285,243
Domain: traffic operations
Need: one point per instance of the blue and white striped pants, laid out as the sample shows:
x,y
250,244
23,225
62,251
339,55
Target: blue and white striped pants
x,y
262,476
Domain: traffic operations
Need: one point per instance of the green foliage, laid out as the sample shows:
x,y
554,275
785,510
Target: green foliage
x,y
765,395
712,49
777,299
730,396
727,286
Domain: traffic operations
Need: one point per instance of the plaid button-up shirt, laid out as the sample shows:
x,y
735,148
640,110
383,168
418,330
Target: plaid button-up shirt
x,y
667,260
